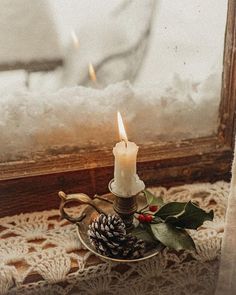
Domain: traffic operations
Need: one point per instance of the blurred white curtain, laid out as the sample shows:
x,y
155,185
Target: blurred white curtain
x,y
227,275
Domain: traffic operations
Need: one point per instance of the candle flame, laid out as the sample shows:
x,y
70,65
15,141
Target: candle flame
x,y
92,73
121,127
75,39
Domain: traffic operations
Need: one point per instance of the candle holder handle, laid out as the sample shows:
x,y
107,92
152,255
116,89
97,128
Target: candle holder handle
x,y
80,198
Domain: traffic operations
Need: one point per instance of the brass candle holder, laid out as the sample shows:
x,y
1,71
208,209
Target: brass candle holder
x,y
124,206
90,207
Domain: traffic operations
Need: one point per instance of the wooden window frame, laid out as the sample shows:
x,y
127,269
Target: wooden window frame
x,y
33,185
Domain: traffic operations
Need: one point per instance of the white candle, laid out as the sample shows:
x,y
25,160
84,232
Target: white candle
x,y
126,181
93,77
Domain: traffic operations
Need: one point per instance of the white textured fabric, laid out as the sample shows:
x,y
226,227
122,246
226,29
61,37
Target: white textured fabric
x,y
40,254
227,275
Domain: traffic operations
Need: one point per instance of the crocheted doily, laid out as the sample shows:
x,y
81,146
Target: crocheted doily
x,y
41,254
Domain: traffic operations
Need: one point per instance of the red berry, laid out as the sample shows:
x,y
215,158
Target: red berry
x,y
153,208
148,218
141,218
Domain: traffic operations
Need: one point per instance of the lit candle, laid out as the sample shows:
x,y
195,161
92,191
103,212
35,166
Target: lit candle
x,y
126,181
92,73
71,68
75,40
93,76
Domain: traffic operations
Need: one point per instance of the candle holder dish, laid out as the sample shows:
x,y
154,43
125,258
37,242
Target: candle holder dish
x,y
91,208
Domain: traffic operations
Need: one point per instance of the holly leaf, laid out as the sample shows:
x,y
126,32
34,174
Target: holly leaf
x,y
170,209
152,199
144,233
172,237
192,217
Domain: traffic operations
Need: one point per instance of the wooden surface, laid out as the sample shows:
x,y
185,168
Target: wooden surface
x,y
227,126
33,185
33,66
38,192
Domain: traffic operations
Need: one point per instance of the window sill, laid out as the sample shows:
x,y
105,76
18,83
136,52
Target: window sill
x,y
39,253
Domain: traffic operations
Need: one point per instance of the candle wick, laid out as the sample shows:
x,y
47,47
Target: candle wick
x,y
125,141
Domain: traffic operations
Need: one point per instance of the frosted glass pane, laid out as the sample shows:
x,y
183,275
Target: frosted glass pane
x,y
187,40
165,56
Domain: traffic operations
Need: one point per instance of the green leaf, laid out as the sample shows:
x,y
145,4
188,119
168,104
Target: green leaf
x,y
144,233
152,199
192,217
170,209
171,237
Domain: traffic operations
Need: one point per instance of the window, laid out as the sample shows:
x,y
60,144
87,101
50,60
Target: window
x,y
172,53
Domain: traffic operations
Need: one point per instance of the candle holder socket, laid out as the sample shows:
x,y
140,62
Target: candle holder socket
x,y
124,206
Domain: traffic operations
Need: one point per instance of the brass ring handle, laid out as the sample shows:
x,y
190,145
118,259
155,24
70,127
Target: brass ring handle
x,y
80,198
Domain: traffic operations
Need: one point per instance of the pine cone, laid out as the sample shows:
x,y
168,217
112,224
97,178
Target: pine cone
x,y
132,247
108,235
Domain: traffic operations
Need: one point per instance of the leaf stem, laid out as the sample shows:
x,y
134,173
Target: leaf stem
x,y
141,210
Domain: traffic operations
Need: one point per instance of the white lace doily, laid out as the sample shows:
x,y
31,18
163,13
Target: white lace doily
x,y
39,254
